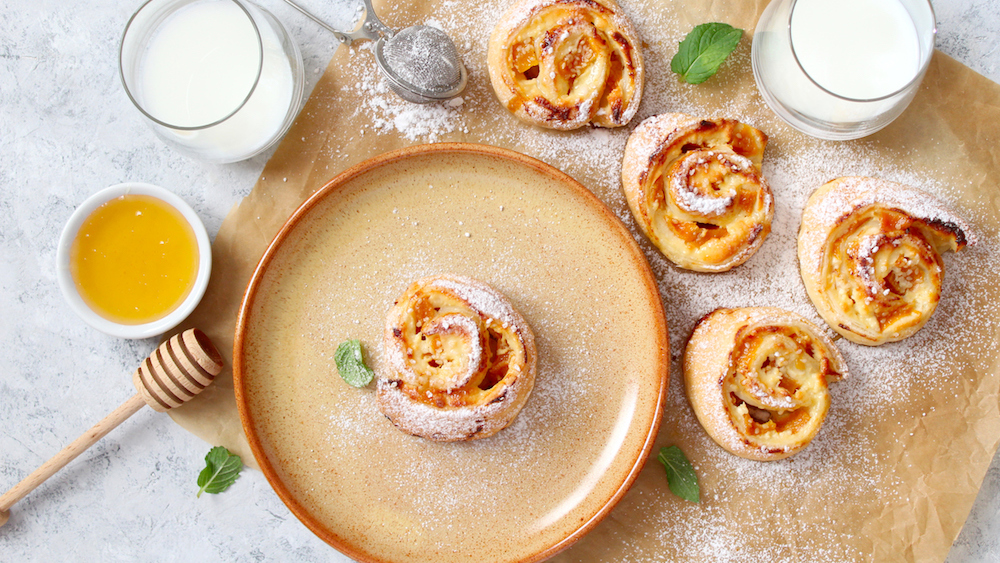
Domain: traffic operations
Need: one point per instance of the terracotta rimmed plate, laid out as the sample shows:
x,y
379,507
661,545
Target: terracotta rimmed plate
x,y
564,260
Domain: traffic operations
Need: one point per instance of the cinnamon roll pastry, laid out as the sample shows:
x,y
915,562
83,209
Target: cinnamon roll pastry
x,y
696,191
562,64
460,360
870,256
757,380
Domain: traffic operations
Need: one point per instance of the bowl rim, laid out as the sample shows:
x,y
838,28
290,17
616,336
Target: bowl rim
x,y
247,304
65,277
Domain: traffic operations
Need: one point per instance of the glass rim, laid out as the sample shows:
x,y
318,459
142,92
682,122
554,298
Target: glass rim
x,y
909,84
135,101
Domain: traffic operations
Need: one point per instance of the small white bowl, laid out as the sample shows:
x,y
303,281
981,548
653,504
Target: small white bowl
x,y
144,330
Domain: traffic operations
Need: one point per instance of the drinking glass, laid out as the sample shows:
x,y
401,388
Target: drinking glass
x,y
841,69
218,80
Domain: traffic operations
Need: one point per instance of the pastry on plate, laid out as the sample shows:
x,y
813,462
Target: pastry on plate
x,y
696,191
562,64
460,360
757,380
870,256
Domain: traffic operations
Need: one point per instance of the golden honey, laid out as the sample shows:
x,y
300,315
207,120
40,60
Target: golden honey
x,y
134,259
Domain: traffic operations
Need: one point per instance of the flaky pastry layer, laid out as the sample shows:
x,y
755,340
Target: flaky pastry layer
x,y
757,380
461,360
870,256
696,191
562,64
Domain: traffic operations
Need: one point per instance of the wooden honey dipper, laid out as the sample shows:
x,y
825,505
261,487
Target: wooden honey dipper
x,y
176,371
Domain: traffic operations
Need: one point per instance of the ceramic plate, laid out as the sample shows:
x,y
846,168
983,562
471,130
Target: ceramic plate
x,y
563,259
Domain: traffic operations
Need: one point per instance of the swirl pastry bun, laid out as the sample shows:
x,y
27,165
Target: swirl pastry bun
x,y
870,256
460,360
696,191
562,64
757,380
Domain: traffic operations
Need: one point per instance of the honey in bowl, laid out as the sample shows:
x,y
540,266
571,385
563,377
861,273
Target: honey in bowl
x,y
134,259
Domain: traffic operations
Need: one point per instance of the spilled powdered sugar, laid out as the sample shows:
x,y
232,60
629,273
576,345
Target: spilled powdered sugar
x,y
390,114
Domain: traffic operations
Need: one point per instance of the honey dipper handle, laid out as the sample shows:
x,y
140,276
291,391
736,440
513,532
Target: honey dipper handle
x,y
68,454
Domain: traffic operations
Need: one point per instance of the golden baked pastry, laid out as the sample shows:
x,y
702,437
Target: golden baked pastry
x,y
460,360
757,380
696,191
870,256
562,64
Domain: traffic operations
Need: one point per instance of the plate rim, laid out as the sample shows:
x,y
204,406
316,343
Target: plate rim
x,y
387,158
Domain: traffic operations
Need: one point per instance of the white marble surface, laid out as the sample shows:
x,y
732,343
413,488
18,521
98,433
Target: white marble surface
x,y
67,130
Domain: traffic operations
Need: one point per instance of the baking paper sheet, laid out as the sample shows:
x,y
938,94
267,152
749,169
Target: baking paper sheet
x,y
911,433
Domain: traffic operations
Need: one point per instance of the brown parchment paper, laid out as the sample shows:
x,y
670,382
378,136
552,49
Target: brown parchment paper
x,y
898,464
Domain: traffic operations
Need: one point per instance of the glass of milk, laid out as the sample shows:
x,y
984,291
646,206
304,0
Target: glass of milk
x,y
842,69
219,80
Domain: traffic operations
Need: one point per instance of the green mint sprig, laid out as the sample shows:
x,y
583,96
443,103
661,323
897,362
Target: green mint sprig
x,y
351,364
704,49
681,478
221,470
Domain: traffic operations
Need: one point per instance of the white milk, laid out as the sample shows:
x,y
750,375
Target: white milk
x,y
860,49
198,68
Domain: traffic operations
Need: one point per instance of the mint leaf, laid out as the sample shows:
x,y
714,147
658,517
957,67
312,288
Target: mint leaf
x,y
681,478
221,470
701,53
351,364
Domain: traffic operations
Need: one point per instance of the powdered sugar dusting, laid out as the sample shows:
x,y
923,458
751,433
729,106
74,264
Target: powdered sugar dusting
x,y
590,98
854,193
387,113
526,9
709,357
708,205
483,298
849,462
897,400
477,419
